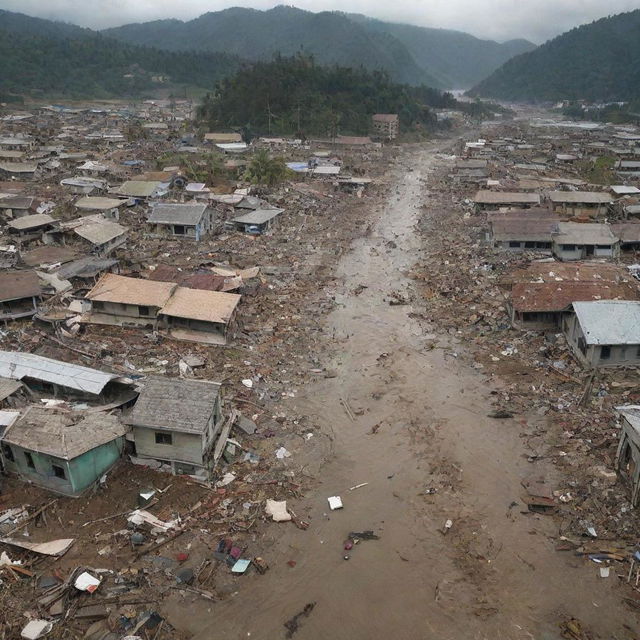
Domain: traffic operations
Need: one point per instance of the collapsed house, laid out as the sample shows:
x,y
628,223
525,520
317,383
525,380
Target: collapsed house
x,y
176,422
257,221
65,452
20,293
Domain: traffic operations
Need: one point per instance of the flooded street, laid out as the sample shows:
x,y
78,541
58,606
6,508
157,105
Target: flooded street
x,y
407,415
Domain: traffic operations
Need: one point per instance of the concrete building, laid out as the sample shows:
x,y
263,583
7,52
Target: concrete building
x,y
385,125
20,293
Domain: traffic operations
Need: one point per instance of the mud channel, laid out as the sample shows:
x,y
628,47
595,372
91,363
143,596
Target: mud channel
x,y
410,420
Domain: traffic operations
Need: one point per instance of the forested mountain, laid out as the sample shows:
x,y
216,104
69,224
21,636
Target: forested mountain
x,y
40,57
258,35
295,95
458,60
597,61
439,58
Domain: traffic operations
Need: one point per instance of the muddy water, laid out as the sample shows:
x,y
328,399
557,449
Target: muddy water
x,y
415,421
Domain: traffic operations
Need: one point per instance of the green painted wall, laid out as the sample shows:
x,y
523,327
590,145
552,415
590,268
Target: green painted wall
x,y
80,472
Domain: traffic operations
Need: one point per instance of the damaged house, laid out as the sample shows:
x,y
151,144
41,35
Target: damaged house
x,y
48,378
65,452
198,315
190,220
20,293
604,333
494,200
176,422
580,203
577,241
121,301
522,233
628,453
541,305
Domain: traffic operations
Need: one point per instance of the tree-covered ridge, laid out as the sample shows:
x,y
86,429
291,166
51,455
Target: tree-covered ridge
x,y
413,55
296,96
86,65
597,61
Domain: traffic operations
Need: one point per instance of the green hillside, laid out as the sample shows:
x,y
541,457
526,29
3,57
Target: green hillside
x,y
43,58
597,61
414,55
457,59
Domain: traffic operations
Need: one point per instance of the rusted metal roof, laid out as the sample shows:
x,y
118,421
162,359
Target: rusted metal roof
x,y
557,296
505,197
15,285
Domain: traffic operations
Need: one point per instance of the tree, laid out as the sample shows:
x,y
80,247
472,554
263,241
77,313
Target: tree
x,y
265,170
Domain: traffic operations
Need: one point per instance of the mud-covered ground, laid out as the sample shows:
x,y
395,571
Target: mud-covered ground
x,y
381,391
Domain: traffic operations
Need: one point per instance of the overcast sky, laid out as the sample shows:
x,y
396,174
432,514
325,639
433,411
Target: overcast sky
x,y
537,20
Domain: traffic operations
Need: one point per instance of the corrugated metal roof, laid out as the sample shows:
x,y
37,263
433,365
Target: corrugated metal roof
x,y
63,435
609,322
176,404
177,213
123,290
198,304
17,366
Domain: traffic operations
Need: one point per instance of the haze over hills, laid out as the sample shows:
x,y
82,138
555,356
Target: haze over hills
x,y
596,61
53,58
415,55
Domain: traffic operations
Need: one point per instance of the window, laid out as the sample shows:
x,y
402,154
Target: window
x,y
163,438
529,245
638,351
8,451
143,311
29,459
603,247
514,245
58,471
97,305
568,247
582,345
605,352
178,229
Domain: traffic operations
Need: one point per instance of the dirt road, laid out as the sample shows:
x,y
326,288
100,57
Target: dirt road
x,y
415,429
